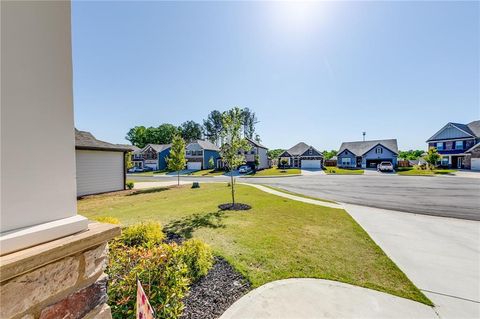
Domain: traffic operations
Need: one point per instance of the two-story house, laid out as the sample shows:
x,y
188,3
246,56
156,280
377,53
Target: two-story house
x,y
153,156
367,154
453,141
199,153
256,150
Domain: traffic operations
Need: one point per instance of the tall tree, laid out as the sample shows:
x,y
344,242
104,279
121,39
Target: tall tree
x,y
165,133
329,154
233,143
249,120
213,126
176,160
410,154
432,157
137,136
141,136
191,131
275,153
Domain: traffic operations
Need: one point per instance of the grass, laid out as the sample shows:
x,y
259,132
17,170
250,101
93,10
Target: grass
x,y
299,195
342,171
275,171
207,172
150,173
277,239
410,171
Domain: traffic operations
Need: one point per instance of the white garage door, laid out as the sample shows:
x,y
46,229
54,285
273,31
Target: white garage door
x,y
99,172
194,165
311,164
476,164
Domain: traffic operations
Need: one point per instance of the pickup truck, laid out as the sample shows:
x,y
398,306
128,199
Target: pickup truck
x,y
385,167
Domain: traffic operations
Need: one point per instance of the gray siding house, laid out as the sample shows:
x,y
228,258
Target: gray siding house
x,y
256,149
198,154
367,154
302,156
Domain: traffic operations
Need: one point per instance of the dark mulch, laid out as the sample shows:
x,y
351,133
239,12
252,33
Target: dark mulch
x,y
236,206
173,238
214,293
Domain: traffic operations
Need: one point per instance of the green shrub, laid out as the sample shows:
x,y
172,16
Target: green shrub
x,y
130,184
163,274
197,256
107,219
144,234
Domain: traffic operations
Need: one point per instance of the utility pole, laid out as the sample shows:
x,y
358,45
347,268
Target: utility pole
x,y
363,133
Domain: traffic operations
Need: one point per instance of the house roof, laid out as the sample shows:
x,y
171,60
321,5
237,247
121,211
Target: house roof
x,y
472,128
207,145
361,147
157,147
473,147
255,143
134,148
298,149
86,141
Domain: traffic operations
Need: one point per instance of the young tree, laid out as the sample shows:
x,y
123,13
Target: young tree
x,y
234,142
284,162
191,131
432,157
211,163
176,160
213,126
257,161
128,160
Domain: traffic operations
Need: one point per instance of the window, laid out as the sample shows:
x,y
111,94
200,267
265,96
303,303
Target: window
x,y
459,145
310,152
439,146
378,150
346,161
444,161
252,152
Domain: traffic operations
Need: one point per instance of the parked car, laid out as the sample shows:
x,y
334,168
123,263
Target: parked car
x,y
244,169
147,169
135,170
385,167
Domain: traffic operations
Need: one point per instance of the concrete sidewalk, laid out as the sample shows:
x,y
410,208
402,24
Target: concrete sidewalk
x,y
317,298
145,185
440,255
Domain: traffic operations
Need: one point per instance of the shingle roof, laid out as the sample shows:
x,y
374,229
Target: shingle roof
x,y
361,147
474,127
134,148
255,143
158,147
85,140
207,145
298,149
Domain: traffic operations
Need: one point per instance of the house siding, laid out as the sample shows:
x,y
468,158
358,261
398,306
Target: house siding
x,y
162,163
347,154
206,157
449,132
386,155
449,146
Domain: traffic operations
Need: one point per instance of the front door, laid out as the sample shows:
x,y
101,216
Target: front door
x,y
460,162
359,161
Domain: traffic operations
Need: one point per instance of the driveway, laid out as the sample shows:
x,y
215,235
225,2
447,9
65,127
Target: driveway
x,y
312,171
440,255
445,196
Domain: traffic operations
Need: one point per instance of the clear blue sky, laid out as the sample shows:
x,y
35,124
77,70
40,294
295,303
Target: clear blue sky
x,y
315,72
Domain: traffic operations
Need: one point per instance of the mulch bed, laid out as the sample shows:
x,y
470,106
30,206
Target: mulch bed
x,y
214,293
236,206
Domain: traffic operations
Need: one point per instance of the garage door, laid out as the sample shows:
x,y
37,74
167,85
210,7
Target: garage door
x,y
99,172
311,164
476,164
194,165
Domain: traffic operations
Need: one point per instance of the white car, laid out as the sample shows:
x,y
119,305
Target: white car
x,y
135,170
244,169
385,167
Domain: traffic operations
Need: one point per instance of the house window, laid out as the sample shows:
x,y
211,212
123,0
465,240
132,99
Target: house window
x,y
346,161
444,161
459,145
379,150
439,146
310,152
252,152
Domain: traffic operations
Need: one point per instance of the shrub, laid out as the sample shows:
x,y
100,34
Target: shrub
x,y
197,256
107,219
130,184
144,234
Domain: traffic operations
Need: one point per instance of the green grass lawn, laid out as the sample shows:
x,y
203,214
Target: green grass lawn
x,y
149,173
410,171
277,239
275,171
207,172
342,171
299,195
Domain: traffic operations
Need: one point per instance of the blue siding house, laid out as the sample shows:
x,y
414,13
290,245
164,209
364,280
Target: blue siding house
x,y
367,154
154,155
453,142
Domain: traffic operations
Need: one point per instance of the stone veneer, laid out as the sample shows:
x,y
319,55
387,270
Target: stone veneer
x,y
60,279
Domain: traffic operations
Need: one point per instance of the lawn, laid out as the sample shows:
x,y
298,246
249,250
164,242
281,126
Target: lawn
x,y
150,173
410,171
207,172
277,239
275,171
299,195
342,171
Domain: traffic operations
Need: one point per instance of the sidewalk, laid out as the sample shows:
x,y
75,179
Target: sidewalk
x,y
440,255
318,298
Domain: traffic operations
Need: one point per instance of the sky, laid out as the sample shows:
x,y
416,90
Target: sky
x,y
317,72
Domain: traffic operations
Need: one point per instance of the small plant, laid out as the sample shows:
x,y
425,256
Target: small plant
x,y
195,185
211,163
130,184
107,219
144,234
197,256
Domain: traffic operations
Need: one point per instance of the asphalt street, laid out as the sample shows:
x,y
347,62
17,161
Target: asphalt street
x,y
446,196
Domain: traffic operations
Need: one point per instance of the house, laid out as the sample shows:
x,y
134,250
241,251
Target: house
x,y
367,154
198,154
453,141
256,149
472,159
302,156
100,165
154,156
135,155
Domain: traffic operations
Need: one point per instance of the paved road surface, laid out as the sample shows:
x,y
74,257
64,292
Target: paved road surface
x,y
447,196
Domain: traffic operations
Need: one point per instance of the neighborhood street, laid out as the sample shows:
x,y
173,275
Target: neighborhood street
x,y
446,196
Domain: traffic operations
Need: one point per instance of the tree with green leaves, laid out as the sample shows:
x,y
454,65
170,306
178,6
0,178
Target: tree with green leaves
x,y
432,157
211,163
249,120
128,160
233,143
275,153
191,131
329,154
212,126
410,154
176,160
137,136
257,161
283,162
141,136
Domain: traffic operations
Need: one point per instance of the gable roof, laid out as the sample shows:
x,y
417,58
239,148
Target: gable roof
x,y
157,147
86,141
474,127
255,143
298,149
207,145
472,148
135,149
471,129
359,148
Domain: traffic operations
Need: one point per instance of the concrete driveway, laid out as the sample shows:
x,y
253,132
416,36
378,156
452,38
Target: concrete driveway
x,y
312,171
440,255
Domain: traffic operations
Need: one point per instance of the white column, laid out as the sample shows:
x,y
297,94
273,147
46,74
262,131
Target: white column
x,y
38,187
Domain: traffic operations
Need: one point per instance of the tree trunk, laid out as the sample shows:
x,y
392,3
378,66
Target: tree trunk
x,y
178,178
233,191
